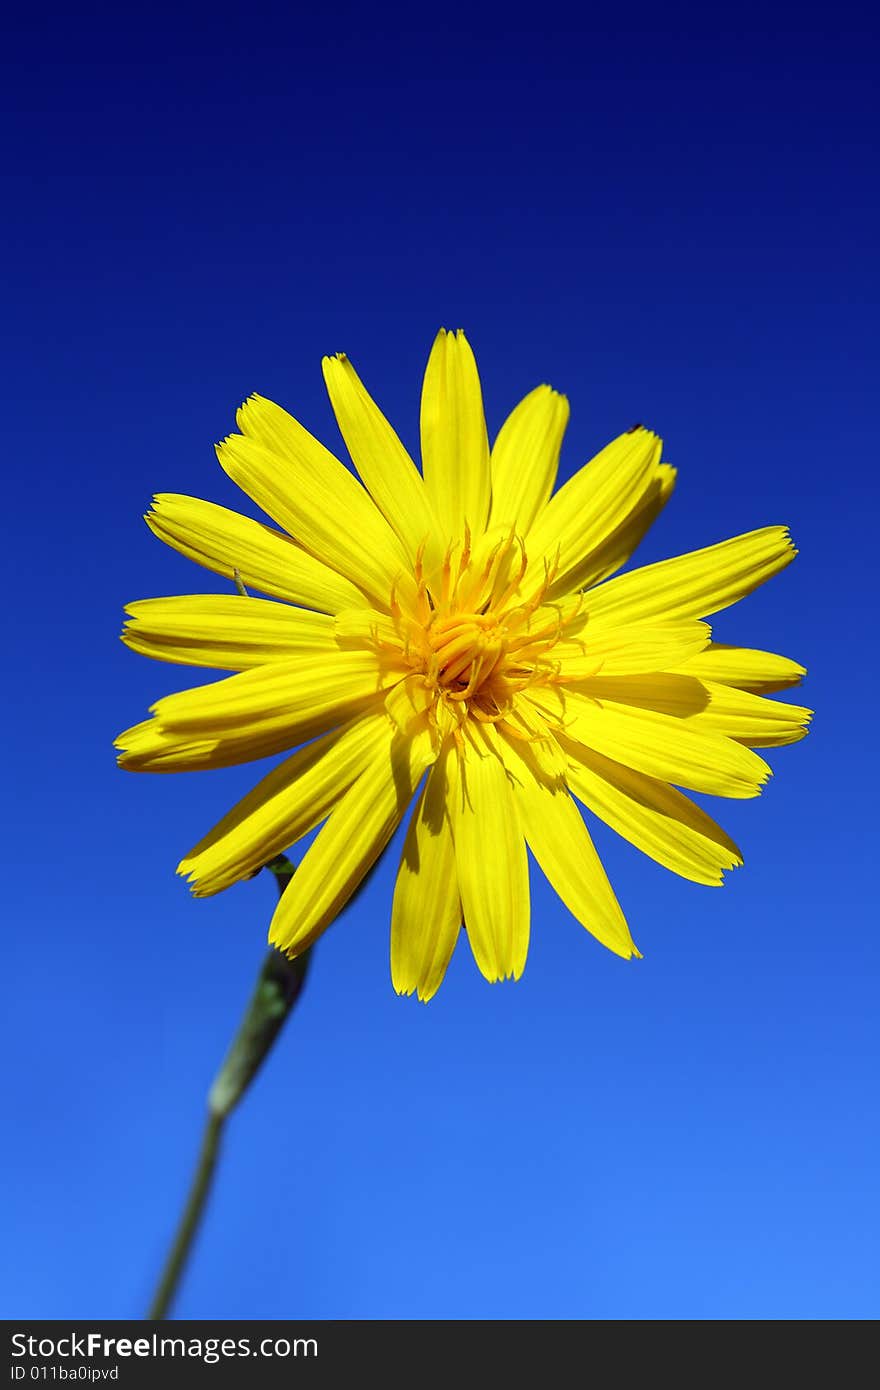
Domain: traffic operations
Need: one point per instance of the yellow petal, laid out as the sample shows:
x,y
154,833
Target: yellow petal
x,y
280,695
407,705
386,468
653,816
695,584
736,714
760,672
266,710
491,861
225,631
147,747
561,844
426,915
225,542
285,805
589,508
455,446
313,496
620,651
619,546
350,842
365,627
525,457
751,719
659,745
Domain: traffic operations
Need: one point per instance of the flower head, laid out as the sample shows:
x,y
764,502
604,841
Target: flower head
x,y
449,633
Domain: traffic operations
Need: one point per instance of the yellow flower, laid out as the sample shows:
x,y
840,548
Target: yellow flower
x,y
454,622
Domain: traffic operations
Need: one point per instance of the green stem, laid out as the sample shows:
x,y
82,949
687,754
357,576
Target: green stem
x,y
278,987
189,1221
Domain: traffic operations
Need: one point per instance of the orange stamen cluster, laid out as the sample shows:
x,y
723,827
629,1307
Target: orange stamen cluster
x,y
472,637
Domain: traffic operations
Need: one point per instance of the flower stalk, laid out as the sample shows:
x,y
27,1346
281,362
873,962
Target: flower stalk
x,y
279,985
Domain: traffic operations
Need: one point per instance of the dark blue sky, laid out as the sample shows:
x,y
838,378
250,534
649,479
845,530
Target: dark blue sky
x,y
674,222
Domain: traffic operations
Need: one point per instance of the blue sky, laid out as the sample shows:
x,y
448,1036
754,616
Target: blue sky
x,y
673,223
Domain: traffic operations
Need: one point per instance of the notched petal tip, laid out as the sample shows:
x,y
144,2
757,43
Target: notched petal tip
x,y
159,504
127,756
129,737
762,779
190,878
547,392
294,950
276,937
790,545
783,532
425,995
408,990
244,415
331,360
644,431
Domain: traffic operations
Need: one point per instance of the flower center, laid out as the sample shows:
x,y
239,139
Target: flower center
x,y
478,630
464,651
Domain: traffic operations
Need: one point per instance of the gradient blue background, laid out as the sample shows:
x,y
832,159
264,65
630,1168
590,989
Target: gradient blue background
x,y
673,221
